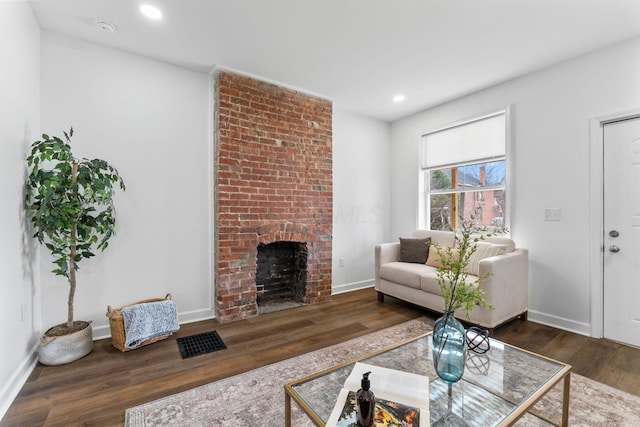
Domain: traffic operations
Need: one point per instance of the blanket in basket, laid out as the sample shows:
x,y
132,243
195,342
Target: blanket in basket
x,y
145,321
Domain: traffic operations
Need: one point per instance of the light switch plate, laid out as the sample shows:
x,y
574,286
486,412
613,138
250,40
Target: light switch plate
x,y
552,214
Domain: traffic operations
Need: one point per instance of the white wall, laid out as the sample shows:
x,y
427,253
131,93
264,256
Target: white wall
x,y
552,111
19,124
361,184
150,120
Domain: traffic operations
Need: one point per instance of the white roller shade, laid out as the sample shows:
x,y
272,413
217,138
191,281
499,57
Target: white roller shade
x,y
483,139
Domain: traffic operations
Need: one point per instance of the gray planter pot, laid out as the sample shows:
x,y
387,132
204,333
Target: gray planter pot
x,y
66,348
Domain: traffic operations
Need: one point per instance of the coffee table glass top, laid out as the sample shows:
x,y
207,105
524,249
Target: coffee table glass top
x,y
494,386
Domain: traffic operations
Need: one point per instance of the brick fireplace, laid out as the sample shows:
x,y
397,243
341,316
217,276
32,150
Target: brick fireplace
x,y
273,183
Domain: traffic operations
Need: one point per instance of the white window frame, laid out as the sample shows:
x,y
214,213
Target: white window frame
x,y
423,197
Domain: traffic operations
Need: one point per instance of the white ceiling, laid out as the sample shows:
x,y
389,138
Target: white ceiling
x,y
359,53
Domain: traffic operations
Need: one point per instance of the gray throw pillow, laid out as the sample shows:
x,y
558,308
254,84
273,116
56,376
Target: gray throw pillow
x,y
414,250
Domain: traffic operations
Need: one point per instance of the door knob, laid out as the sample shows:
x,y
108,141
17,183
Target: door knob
x,y
614,233
614,249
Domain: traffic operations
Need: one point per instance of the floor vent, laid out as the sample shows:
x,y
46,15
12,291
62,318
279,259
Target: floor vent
x,y
196,345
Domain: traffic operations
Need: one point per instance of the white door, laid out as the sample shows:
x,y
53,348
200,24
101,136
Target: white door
x,y
621,256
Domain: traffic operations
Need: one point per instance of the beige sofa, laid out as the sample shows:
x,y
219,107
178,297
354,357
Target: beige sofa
x,y
417,283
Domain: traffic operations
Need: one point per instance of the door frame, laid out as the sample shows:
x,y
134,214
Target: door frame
x,y
596,214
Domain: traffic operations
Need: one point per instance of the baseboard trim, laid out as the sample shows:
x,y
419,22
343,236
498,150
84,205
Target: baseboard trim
x,y
354,286
560,323
196,315
18,380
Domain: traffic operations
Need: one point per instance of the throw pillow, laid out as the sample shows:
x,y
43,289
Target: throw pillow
x,y
484,250
414,250
434,257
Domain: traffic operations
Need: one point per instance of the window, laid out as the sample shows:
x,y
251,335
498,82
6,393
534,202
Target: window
x,y
464,174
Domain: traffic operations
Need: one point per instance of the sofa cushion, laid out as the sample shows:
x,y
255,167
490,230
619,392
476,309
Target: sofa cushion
x,y
414,250
403,273
434,257
429,282
440,237
483,250
509,244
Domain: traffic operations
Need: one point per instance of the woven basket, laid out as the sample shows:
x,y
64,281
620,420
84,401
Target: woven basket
x,y
116,324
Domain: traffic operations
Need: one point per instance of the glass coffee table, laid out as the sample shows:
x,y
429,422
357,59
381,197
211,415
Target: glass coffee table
x,y
498,388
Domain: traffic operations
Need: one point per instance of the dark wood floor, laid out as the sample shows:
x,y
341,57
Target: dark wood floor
x,y
96,390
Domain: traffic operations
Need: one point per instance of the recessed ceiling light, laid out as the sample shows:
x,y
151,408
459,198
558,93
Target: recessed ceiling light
x,y
106,26
150,11
398,98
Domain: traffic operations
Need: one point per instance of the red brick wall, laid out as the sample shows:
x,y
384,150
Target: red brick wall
x,y
273,181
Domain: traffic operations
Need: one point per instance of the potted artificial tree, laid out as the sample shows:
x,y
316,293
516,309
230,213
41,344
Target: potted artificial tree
x,y
69,201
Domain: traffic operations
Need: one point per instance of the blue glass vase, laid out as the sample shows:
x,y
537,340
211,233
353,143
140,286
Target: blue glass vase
x,y
449,348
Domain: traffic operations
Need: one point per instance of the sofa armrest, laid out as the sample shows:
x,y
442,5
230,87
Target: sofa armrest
x,y
508,284
384,253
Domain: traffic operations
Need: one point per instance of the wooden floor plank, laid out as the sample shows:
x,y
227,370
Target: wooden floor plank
x,y
96,390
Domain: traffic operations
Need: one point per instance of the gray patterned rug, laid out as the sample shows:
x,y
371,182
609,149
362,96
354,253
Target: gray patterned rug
x,y
251,398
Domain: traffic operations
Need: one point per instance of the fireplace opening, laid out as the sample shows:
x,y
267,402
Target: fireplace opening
x,y
281,275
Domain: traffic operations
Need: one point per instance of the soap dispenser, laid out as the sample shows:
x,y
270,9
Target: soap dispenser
x,y
365,402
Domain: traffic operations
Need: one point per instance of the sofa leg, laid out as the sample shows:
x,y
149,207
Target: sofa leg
x,y
524,316
380,297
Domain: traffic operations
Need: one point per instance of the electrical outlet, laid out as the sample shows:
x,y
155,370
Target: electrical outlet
x,y
341,262
552,214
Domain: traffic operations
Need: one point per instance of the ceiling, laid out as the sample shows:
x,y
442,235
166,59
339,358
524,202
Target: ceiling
x,y
359,53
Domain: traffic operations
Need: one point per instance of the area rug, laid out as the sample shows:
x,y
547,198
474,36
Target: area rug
x,y
252,398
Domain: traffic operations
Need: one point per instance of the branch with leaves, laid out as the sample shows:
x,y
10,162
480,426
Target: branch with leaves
x,y
458,290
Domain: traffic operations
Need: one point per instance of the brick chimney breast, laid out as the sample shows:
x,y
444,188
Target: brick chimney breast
x,y
273,182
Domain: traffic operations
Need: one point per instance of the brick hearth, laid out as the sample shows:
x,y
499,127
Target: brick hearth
x,y
273,182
